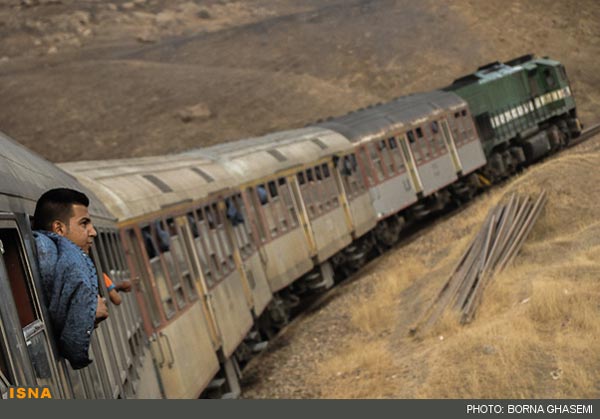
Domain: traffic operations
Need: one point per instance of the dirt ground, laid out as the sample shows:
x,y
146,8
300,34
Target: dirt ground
x,y
107,79
100,79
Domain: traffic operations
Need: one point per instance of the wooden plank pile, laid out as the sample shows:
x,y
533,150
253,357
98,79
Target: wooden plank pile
x,y
494,248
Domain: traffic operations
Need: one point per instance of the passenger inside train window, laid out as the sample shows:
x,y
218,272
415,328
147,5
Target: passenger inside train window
x,y
151,249
64,234
233,214
262,194
164,240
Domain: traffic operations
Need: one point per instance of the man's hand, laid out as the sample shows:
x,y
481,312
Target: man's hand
x,y
101,310
124,286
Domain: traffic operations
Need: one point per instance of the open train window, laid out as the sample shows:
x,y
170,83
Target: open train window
x,y
411,137
26,303
273,189
22,294
145,284
182,257
151,242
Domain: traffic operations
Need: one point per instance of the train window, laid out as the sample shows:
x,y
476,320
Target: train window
x,y
182,257
434,127
144,285
150,239
167,254
227,257
34,330
281,208
387,157
235,211
364,163
396,154
457,115
203,248
376,161
13,259
463,112
284,188
301,178
415,147
273,189
254,211
549,78
207,223
269,210
321,192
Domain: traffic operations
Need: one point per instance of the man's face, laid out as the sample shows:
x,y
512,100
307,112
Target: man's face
x,y
80,229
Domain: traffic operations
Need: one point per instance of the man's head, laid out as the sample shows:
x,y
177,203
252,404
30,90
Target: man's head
x,y
65,212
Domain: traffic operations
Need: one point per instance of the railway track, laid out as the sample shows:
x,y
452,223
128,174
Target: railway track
x,y
586,135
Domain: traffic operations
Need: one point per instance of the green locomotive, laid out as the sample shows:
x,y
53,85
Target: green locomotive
x,y
523,110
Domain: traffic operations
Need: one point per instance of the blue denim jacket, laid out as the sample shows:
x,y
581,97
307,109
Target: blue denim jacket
x,y
70,286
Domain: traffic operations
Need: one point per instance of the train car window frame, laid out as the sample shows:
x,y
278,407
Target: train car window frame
x,y
173,274
182,260
365,163
156,263
376,162
227,261
212,255
255,210
28,303
396,153
148,292
288,202
208,271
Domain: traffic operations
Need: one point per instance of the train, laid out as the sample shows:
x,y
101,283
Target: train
x,y
222,243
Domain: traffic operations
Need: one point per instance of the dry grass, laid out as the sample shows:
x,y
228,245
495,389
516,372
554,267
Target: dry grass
x,y
537,332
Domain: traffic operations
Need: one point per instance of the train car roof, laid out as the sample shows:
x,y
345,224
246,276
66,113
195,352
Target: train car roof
x,y
376,121
139,186
255,158
25,176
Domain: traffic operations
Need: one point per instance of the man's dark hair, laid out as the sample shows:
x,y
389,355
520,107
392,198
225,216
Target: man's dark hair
x,y
57,204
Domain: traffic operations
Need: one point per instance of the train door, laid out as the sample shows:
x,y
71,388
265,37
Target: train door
x,y
17,272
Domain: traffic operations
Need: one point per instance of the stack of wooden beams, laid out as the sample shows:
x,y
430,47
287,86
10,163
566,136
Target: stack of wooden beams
x,y
494,248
